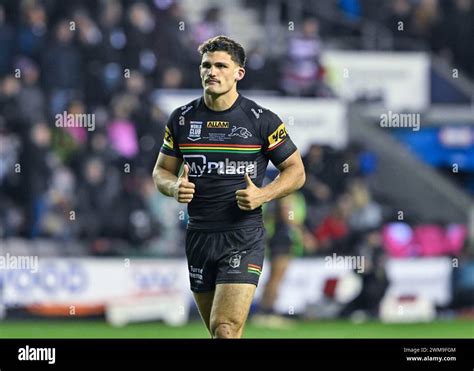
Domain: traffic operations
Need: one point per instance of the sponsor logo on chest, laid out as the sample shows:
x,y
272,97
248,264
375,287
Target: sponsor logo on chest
x,y
217,124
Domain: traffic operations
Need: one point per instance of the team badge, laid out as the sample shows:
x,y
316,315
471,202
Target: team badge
x,y
234,261
195,130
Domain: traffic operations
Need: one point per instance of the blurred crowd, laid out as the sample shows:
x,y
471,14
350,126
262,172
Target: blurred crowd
x,y
83,49
103,60
407,25
435,24
100,60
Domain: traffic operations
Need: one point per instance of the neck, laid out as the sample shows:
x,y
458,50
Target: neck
x,y
221,102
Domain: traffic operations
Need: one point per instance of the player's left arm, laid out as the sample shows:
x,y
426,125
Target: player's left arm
x,y
290,179
282,152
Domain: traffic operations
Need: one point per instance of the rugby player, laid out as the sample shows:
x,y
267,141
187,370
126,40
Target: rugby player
x,y
214,156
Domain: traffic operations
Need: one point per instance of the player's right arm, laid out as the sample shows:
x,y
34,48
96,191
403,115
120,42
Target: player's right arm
x,y
167,167
167,181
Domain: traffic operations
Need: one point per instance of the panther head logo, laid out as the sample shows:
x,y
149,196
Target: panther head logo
x,y
240,132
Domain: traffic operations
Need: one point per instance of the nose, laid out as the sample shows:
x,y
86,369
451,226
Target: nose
x,y
212,71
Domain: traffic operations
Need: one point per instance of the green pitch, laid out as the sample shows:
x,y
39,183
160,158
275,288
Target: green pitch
x,y
300,329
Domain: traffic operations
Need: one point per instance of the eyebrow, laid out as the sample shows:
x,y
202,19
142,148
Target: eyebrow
x,y
218,62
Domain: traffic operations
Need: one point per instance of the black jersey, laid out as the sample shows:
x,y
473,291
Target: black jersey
x,y
220,147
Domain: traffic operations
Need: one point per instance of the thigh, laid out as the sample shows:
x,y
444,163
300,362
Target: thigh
x,y
201,262
204,302
231,304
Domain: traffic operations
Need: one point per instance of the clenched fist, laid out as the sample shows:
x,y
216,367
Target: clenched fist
x,y
184,189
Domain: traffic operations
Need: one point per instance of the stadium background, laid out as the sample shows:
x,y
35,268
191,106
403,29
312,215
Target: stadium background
x,y
109,248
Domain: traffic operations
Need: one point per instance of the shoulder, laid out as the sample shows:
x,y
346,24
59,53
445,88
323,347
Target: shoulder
x,y
185,109
257,113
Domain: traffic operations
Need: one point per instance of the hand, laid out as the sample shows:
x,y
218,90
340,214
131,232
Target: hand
x,y
184,189
251,197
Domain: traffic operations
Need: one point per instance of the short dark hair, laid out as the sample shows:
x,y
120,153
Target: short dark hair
x,y
224,44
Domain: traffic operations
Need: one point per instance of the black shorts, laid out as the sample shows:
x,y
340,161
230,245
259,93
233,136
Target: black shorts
x,y
234,256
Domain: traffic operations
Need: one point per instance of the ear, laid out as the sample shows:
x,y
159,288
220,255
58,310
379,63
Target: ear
x,y
239,74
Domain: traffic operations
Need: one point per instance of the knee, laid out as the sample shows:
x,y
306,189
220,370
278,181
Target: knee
x,y
225,331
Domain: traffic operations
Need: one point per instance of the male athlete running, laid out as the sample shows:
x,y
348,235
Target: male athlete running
x,y
225,141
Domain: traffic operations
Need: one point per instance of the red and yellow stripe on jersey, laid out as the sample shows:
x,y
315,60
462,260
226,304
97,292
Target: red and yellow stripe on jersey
x,y
229,148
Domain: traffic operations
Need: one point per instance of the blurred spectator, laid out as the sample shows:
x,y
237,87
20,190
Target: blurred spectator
x,y
7,42
36,161
284,220
399,20
168,217
112,47
32,36
10,89
31,98
11,215
211,25
260,69
320,187
90,40
463,282
79,133
333,234
318,175
172,78
97,197
58,220
425,16
366,213
121,130
172,46
114,40
89,34
140,34
461,22
374,279
62,67
303,72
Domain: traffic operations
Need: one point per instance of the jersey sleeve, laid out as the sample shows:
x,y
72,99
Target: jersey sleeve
x,y
278,145
170,140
